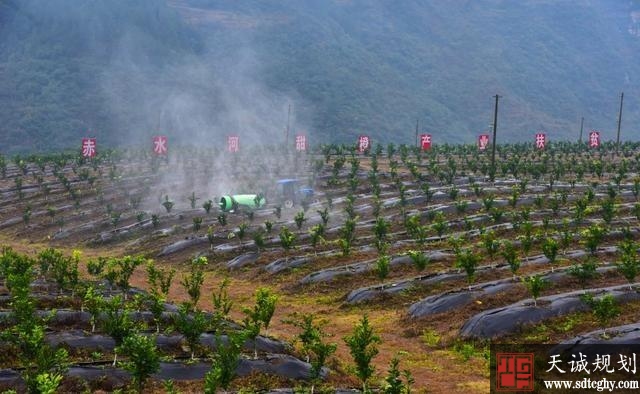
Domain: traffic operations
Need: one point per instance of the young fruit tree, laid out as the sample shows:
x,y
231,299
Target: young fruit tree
x,y
222,305
629,264
510,255
321,352
194,280
584,272
299,219
167,204
382,267
287,238
125,268
260,315
467,260
592,237
191,323
93,303
393,383
381,228
604,309
159,279
225,363
207,205
143,359
116,322
550,249
419,259
535,284
316,234
363,347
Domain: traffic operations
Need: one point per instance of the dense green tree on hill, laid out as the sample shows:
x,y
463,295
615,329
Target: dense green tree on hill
x,y
121,70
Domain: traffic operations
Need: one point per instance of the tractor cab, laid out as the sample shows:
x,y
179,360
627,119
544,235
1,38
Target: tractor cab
x,y
290,194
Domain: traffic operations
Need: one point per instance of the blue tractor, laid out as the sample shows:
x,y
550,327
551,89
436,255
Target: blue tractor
x,y
289,194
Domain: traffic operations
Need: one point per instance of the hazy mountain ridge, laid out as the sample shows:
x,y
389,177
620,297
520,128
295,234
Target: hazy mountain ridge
x,y
200,69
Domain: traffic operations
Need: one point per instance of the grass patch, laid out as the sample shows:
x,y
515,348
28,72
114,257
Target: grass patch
x,y
539,333
570,323
469,350
430,337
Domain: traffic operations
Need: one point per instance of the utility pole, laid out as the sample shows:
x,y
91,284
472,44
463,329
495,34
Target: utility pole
x,y
619,123
493,147
286,137
581,128
417,122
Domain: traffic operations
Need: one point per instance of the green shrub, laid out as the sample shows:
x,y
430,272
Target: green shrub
x,y
143,359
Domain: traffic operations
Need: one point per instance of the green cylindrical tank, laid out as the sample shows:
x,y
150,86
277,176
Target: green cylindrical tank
x,y
246,201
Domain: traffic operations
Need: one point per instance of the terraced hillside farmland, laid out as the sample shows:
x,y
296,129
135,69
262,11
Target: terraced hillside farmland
x,y
440,259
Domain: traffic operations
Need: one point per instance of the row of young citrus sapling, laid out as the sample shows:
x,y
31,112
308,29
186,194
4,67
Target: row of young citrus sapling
x,y
317,233
363,347
191,322
519,219
226,358
604,308
521,167
382,226
347,232
381,229
628,266
315,349
117,309
85,176
594,233
115,320
562,236
76,192
115,314
38,165
465,259
585,271
42,367
511,166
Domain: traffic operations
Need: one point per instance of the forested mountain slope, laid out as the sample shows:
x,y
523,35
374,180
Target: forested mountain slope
x,y
197,70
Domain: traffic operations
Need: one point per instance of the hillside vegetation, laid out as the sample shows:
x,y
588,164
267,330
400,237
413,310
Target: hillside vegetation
x,y
200,69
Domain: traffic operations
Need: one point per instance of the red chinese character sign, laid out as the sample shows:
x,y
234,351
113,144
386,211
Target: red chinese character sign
x,y
364,143
425,141
301,142
541,140
594,139
233,143
160,145
483,141
88,147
